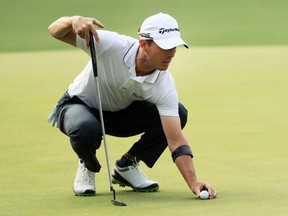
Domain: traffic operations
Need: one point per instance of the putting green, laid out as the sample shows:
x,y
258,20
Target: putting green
x,y
237,102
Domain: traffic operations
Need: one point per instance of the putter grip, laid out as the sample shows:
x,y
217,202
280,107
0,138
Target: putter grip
x,y
93,54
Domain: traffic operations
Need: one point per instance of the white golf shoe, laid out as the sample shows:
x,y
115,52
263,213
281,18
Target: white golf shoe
x,y
133,177
84,183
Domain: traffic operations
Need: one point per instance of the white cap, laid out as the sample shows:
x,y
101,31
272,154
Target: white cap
x,y
163,30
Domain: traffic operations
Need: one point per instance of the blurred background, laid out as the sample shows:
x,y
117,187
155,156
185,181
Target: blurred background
x,y
23,24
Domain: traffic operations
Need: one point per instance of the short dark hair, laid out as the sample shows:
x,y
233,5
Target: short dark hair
x,y
149,42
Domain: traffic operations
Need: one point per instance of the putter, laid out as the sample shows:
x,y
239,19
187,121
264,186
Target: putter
x,y
95,71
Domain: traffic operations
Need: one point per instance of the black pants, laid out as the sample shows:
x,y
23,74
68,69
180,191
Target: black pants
x,y
82,125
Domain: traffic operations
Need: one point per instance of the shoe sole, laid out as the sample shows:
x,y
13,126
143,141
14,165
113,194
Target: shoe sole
x,y
118,179
86,193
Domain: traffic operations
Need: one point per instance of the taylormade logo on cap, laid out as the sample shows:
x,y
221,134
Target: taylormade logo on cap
x,y
163,30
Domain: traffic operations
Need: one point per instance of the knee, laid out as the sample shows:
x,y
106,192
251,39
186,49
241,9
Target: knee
x,y
183,114
88,133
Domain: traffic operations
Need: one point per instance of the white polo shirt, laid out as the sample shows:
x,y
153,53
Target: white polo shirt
x,y
119,85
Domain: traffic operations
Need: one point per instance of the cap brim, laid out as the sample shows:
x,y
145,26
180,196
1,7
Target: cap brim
x,y
170,43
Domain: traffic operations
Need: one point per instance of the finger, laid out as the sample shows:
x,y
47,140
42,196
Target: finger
x,y
93,30
206,186
95,34
197,190
213,194
87,38
98,23
202,186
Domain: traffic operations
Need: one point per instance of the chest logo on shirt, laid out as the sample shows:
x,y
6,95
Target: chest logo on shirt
x,y
137,96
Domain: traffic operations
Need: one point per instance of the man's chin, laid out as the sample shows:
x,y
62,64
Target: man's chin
x,y
162,68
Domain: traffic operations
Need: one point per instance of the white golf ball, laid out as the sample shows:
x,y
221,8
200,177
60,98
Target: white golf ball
x,y
204,194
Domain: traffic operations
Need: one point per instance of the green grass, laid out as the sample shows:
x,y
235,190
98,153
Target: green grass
x,y
236,97
237,102
202,22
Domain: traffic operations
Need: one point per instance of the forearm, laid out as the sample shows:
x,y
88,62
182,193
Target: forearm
x,y
61,27
186,168
181,152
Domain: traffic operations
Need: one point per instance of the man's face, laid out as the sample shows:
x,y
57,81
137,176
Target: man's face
x,y
159,58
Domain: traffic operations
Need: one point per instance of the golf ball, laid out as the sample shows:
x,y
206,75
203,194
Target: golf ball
x,y
204,194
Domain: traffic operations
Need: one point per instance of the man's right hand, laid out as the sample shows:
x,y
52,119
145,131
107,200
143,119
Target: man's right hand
x,y
66,29
83,25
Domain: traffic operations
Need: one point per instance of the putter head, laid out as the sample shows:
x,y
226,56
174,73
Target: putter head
x,y
118,203
114,201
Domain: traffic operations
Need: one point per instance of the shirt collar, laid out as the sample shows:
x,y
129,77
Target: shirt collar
x,y
129,59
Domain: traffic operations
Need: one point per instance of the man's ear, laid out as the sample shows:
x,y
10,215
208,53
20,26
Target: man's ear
x,y
142,43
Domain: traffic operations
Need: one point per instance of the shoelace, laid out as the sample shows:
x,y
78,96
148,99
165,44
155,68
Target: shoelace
x,y
136,165
88,176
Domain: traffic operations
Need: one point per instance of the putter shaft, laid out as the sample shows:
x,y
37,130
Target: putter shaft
x,y
94,66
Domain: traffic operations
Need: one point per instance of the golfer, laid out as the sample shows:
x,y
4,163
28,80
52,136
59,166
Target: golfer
x,y
138,96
